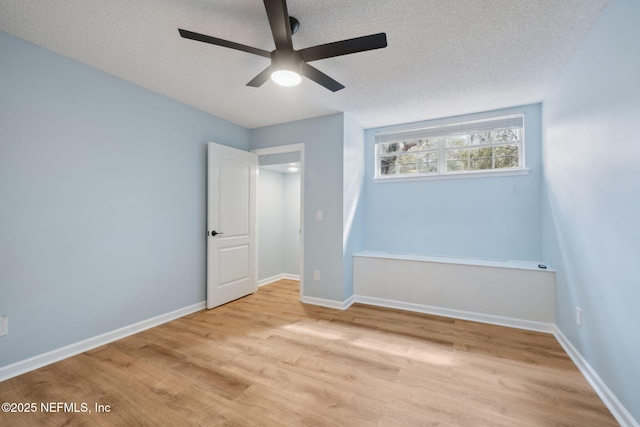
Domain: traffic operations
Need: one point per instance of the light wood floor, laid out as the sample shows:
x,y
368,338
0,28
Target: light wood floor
x,y
268,360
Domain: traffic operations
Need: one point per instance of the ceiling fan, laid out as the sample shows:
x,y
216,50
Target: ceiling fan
x,y
287,64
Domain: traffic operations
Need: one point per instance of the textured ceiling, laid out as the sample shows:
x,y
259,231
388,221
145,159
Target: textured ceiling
x,y
444,57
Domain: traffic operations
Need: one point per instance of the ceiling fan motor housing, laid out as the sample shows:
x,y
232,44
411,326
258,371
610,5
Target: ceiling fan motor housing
x,y
286,60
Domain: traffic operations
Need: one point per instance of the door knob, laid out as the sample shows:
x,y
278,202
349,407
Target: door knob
x,y
215,233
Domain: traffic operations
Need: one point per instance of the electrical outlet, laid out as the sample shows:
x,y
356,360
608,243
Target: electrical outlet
x,y
4,325
318,215
579,316
316,275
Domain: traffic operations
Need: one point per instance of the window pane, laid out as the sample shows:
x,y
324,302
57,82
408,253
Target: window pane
x,y
480,163
406,145
481,158
388,170
476,153
506,150
456,165
506,135
457,154
506,156
480,138
388,165
428,157
506,162
407,159
408,169
428,167
457,140
428,144
388,148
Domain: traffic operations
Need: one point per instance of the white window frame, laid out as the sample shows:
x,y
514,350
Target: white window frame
x,y
450,129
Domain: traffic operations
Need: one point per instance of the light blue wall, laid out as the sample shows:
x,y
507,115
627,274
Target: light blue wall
x,y
323,141
102,200
353,194
591,123
270,224
497,217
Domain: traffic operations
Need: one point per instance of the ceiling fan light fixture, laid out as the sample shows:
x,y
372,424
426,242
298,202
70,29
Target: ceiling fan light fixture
x,y
286,77
286,68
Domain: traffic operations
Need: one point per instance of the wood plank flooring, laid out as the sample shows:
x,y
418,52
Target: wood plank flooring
x,y
268,360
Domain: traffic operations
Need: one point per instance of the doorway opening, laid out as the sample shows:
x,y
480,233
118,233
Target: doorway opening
x,y
280,213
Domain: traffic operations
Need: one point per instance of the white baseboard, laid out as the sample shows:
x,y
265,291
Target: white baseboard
x,y
459,314
349,302
277,277
619,412
329,303
53,356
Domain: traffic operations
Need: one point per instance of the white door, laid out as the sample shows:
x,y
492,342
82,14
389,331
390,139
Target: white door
x,y
231,219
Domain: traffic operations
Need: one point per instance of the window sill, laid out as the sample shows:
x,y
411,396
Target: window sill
x,y
460,175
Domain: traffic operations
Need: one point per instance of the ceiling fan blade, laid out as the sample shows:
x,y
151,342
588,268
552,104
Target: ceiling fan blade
x,y
261,78
279,21
321,78
344,47
225,43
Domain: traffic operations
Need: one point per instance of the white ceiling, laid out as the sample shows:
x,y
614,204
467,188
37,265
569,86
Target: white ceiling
x,y
444,57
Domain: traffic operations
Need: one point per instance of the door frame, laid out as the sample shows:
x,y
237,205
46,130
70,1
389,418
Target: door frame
x,y
292,148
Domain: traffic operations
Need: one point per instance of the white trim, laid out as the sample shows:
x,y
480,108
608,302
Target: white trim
x,y
510,322
279,149
53,356
453,175
329,303
349,301
277,277
618,410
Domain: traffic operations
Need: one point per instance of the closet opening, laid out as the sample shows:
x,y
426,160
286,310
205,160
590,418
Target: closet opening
x,y
280,214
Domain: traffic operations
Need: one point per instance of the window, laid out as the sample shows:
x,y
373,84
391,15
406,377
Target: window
x,y
489,145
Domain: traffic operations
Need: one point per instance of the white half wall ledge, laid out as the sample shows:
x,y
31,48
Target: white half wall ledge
x,y
460,260
39,361
510,293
